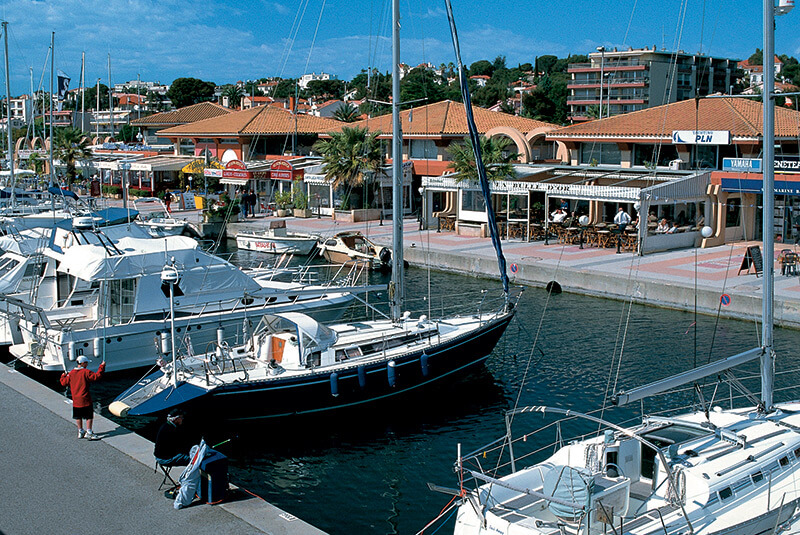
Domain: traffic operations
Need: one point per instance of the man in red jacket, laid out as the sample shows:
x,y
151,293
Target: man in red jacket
x,y
78,382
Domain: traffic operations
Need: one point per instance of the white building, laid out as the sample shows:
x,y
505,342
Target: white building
x,y
143,86
306,78
22,108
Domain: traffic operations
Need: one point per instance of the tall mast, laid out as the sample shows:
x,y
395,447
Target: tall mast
x,y
8,119
83,89
52,66
97,113
397,172
110,97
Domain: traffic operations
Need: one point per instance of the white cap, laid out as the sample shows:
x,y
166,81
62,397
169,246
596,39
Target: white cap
x,y
82,359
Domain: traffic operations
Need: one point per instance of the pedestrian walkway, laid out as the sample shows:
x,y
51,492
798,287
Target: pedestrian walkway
x,y
662,279
55,483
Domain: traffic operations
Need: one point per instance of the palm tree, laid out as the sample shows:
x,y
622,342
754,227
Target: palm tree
x,y
234,94
349,156
36,163
71,146
347,113
496,157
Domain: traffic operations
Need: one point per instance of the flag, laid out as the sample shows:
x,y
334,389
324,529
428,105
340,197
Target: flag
x,y
63,87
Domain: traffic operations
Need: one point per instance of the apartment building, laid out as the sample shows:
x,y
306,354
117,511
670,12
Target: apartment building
x,y
635,79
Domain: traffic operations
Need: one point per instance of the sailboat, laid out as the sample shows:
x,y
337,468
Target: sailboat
x,y
713,471
292,364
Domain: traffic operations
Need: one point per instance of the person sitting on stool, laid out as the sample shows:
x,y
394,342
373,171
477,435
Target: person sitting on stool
x,y
172,444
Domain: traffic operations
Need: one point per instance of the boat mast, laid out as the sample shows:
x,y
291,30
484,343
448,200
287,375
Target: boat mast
x,y
768,356
52,66
397,172
110,98
8,119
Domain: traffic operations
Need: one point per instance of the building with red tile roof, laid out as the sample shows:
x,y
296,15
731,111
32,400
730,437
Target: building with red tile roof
x,y
429,130
252,133
196,112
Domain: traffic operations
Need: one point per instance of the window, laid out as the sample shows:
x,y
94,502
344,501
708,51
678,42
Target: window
x,y
733,213
758,476
472,200
648,155
423,149
725,493
600,153
704,157
121,300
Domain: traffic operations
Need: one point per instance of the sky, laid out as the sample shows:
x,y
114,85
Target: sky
x,y
229,40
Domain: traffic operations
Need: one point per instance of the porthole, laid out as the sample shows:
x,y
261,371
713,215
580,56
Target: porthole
x,y
784,461
725,493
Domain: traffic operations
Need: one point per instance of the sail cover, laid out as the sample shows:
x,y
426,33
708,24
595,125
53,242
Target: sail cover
x,y
476,148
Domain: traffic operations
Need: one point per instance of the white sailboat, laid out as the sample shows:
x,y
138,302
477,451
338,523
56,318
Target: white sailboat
x,y
713,471
293,365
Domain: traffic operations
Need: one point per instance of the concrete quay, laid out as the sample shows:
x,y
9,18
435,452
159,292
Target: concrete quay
x,y
57,484
666,279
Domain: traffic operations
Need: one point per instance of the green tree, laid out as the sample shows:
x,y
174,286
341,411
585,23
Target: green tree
x,y
36,163
481,68
496,155
546,63
420,83
349,156
155,101
347,113
71,146
757,58
285,88
127,134
91,97
234,94
325,88
187,91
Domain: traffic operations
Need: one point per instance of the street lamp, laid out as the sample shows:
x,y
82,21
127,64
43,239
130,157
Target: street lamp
x,y
422,214
602,51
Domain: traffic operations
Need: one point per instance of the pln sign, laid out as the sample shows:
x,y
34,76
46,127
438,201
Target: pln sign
x,y
701,137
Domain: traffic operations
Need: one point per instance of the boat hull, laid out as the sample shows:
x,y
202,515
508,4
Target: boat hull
x,y
273,245
134,345
366,383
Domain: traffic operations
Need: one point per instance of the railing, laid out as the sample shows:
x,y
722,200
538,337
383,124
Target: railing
x,y
608,64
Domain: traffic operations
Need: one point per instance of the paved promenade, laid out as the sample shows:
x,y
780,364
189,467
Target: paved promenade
x,y
662,279
56,484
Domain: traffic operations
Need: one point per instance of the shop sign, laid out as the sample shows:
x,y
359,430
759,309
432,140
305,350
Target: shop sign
x,y
701,137
216,173
281,170
743,165
236,164
749,185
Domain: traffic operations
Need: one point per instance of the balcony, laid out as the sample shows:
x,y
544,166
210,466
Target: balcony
x,y
615,82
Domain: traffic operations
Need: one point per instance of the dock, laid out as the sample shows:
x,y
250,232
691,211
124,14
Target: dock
x,y
57,484
665,279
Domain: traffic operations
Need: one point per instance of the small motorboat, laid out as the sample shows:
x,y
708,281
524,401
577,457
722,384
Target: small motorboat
x,y
276,240
353,246
156,219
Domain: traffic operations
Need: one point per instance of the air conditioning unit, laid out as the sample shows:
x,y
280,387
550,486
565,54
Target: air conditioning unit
x,y
677,165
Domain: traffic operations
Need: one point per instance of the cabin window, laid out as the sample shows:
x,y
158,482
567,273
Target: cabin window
x,y
7,265
797,453
64,284
757,477
725,493
121,295
784,461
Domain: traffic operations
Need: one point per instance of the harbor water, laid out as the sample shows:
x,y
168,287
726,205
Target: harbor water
x,y
366,470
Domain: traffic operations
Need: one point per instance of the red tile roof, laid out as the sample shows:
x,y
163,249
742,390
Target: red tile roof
x,y
253,121
741,116
188,114
447,119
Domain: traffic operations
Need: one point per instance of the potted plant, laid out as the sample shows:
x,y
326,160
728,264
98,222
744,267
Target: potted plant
x,y
300,203
282,200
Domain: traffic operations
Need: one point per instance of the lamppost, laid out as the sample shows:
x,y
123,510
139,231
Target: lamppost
x,y
422,213
602,51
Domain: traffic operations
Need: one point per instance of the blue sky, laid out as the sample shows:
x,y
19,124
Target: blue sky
x,y
225,41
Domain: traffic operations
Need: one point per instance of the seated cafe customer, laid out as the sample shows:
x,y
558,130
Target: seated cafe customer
x,y
662,227
558,216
